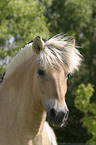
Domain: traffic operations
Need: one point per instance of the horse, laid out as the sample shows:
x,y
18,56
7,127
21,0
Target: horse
x,y
34,86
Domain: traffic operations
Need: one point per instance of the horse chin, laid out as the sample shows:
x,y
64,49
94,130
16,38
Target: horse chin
x,y
55,123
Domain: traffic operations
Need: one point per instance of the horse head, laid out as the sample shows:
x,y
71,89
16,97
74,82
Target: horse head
x,y
50,81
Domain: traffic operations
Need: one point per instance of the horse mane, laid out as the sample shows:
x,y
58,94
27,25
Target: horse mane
x,y
58,50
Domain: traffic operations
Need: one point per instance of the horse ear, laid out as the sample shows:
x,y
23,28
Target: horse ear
x,y
37,45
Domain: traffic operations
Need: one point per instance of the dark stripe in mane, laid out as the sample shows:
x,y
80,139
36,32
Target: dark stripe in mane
x,y
30,42
1,79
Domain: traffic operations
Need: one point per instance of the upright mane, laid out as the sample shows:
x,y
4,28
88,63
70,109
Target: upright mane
x,y
59,50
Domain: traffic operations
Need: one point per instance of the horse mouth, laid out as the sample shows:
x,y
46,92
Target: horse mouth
x,y
56,125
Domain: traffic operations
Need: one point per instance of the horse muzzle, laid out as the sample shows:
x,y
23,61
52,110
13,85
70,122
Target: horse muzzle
x,y
57,112
57,118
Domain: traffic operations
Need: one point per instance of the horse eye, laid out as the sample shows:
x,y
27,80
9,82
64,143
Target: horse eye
x,y
41,72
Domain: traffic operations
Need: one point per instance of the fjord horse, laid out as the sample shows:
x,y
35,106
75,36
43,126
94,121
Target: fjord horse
x,y
34,86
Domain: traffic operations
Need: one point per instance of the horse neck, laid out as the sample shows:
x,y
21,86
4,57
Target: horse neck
x,y
18,89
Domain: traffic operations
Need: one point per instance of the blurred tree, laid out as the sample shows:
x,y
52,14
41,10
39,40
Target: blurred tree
x,y
20,21
69,15
82,102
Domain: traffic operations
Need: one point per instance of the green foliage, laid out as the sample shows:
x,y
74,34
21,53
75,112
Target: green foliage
x,y
70,15
22,19
82,102
83,95
20,22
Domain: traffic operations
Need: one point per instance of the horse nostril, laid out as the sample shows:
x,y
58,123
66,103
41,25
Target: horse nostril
x,y
53,113
61,115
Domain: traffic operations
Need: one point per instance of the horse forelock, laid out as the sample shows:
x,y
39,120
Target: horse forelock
x,y
59,50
